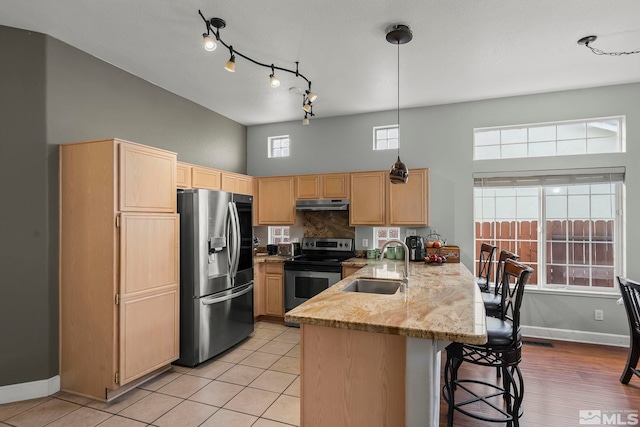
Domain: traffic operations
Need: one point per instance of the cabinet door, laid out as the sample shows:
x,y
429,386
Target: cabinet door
x,y
274,294
276,201
367,198
206,178
149,333
148,295
229,182
245,185
149,252
147,179
307,187
335,186
348,271
409,203
183,175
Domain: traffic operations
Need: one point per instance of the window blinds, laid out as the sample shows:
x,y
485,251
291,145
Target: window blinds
x,y
549,178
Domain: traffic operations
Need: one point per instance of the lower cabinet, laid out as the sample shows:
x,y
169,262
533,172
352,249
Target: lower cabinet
x,y
348,271
274,290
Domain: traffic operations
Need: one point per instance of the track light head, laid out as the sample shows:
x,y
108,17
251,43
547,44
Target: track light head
x,y
307,108
305,121
311,96
273,81
231,64
209,43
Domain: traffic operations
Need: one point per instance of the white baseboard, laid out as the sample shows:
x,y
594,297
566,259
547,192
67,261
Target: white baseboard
x,y
30,390
575,336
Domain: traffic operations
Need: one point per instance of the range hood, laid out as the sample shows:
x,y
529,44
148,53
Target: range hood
x,y
323,205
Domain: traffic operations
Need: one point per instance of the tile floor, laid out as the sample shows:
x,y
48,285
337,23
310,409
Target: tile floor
x,y
256,383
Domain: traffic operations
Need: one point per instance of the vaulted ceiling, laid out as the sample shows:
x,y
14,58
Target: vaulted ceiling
x,y
461,50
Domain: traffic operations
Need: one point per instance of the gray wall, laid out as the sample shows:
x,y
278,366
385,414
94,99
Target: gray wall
x,y
51,94
441,138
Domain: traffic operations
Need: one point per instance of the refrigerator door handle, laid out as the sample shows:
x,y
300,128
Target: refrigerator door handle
x,y
231,227
236,238
209,301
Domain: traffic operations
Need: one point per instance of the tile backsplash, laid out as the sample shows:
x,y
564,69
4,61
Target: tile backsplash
x,y
328,224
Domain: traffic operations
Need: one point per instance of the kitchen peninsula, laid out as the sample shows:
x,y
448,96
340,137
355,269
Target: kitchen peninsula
x,y
374,360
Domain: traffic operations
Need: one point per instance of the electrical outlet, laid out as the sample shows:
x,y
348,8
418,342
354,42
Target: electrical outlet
x,y
599,315
411,232
365,243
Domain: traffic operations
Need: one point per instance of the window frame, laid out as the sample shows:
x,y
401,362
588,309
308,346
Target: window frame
x,y
271,140
618,236
375,137
620,138
271,233
376,241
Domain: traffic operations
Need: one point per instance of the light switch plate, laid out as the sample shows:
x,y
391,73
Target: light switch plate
x,y
365,243
411,232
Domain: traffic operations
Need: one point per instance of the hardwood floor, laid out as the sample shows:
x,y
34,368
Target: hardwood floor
x,y
560,381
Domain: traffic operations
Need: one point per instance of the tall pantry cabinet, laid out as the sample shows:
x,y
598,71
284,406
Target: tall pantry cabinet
x,y
119,266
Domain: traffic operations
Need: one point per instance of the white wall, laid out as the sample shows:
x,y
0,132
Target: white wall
x,y
441,138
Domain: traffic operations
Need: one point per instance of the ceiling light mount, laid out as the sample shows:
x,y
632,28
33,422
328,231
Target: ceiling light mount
x,y
214,25
399,34
586,41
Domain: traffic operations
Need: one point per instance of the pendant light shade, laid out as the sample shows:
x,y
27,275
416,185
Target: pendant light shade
x,y
399,34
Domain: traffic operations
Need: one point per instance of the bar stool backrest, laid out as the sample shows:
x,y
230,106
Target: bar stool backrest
x,y
514,279
485,264
631,296
504,255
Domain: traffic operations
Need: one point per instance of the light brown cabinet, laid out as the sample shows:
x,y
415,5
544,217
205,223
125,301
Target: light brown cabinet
x,y
348,271
206,178
408,204
368,200
236,183
183,175
276,201
324,186
258,288
274,290
119,266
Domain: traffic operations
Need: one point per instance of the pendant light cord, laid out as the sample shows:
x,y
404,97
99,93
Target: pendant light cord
x,y
398,44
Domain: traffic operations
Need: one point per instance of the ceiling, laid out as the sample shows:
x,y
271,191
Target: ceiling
x,y
461,50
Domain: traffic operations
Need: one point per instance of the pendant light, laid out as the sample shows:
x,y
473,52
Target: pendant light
x,y
399,34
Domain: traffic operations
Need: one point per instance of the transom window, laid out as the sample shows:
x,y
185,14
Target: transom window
x,y
279,146
593,136
278,235
568,228
386,137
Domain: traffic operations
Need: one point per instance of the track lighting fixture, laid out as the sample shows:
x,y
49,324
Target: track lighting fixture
x,y
586,41
231,63
273,80
399,34
214,25
209,43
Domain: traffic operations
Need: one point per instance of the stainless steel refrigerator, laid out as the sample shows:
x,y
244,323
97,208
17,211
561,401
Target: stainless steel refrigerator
x,y
216,272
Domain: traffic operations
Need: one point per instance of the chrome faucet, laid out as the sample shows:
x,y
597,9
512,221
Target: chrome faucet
x,y
406,256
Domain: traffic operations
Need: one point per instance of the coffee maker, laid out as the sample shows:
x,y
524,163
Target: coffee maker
x,y
416,248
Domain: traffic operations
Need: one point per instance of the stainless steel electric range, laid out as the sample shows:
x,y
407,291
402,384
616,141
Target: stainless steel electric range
x,y
319,267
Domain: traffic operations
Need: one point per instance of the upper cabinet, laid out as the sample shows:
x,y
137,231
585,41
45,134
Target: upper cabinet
x,y
324,186
368,198
236,183
147,179
183,175
375,201
206,178
408,204
276,200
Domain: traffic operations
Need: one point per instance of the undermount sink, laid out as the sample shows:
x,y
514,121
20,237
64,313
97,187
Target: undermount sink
x,y
373,286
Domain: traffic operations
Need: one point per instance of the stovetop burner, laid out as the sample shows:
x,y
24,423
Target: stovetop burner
x,y
323,252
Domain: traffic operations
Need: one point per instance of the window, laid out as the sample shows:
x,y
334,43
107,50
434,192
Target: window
x,y
594,136
386,137
278,235
382,234
279,146
567,227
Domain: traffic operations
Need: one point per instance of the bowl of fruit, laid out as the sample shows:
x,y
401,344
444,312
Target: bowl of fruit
x,y
435,259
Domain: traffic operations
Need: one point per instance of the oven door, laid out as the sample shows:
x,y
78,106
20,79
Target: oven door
x,y
299,286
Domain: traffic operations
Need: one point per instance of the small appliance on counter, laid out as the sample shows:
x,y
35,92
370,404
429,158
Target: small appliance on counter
x,y
289,249
416,248
272,249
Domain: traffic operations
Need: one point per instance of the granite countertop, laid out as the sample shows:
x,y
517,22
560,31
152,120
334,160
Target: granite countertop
x,y
263,257
442,302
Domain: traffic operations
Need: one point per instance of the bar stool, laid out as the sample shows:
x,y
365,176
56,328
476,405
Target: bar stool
x,y
502,350
631,296
493,302
487,252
